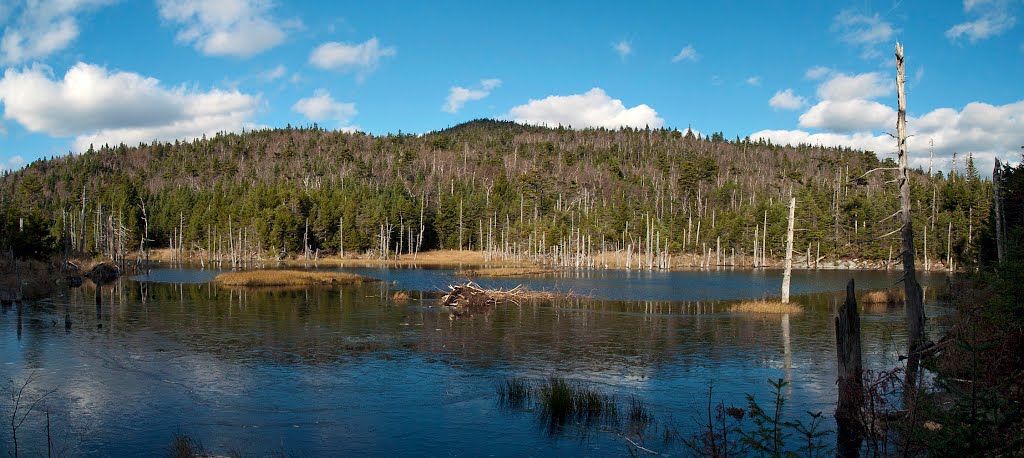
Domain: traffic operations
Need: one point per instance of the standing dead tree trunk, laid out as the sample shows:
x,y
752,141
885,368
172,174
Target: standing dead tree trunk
x,y
850,383
997,204
789,252
914,304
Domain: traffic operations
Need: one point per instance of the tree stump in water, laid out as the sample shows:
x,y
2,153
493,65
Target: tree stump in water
x,y
850,383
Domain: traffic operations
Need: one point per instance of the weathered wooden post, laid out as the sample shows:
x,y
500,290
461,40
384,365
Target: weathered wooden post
x,y
914,304
849,382
789,253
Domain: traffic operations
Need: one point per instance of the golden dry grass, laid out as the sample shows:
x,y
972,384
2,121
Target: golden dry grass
x,y
437,258
276,278
400,296
884,296
505,272
766,307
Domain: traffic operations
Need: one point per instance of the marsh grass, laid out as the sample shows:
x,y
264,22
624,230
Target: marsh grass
x,y
184,446
515,393
505,272
278,278
562,401
765,307
884,296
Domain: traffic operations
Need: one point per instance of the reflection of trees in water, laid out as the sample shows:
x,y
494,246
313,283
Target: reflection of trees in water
x,y
320,325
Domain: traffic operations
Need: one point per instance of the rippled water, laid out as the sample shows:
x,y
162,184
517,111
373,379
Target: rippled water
x,y
335,371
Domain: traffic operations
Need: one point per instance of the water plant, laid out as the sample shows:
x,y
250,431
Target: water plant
x,y
515,392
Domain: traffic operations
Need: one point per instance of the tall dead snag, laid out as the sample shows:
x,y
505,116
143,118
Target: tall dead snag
x,y
914,305
997,204
848,355
789,253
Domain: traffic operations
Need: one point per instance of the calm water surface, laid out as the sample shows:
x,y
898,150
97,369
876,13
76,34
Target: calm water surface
x,y
340,371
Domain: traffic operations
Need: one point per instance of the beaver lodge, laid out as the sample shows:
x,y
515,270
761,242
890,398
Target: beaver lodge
x,y
472,295
275,278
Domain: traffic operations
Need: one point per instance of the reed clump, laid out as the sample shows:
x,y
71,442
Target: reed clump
x,y
766,307
400,296
515,393
561,401
278,278
506,272
884,296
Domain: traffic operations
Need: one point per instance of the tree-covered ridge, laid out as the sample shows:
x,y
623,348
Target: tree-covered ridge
x,y
491,184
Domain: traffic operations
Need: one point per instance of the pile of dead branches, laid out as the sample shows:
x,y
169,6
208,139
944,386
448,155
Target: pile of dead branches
x,y
471,294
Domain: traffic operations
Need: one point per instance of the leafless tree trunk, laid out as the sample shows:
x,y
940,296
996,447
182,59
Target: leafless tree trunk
x,y
789,252
914,305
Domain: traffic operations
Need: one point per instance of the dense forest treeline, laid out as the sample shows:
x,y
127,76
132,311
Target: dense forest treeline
x,y
486,184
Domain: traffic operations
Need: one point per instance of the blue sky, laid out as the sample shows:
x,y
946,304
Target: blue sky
x,y
78,72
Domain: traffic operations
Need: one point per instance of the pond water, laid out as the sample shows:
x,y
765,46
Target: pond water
x,y
340,371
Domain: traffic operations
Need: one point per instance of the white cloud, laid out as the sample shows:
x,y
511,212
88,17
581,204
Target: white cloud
x,y
863,31
362,58
687,53
40,27
225,27
458,96
841,86
754,80
816,73
994,18
848,116
274,73
787,100
100,106
591,109
984,130
12,163
623,48
322,107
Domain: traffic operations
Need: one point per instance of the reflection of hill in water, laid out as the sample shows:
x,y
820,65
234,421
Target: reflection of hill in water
x,y
322,325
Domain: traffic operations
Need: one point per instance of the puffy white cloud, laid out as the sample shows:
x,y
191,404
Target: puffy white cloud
x,y
225,27
688,53
993,18
40,27
816,72
322,107
591,109
623,48
863,31
848,116
458,95
861,140
362,58
754,80
12,163
981,129
100,106
787,100
841,86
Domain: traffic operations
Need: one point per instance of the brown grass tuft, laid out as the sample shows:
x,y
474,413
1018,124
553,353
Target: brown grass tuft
x,y
276,278
400,296
766,307
505,272
884,296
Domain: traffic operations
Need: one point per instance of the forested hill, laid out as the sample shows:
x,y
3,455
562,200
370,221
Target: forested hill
x,y
514,187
